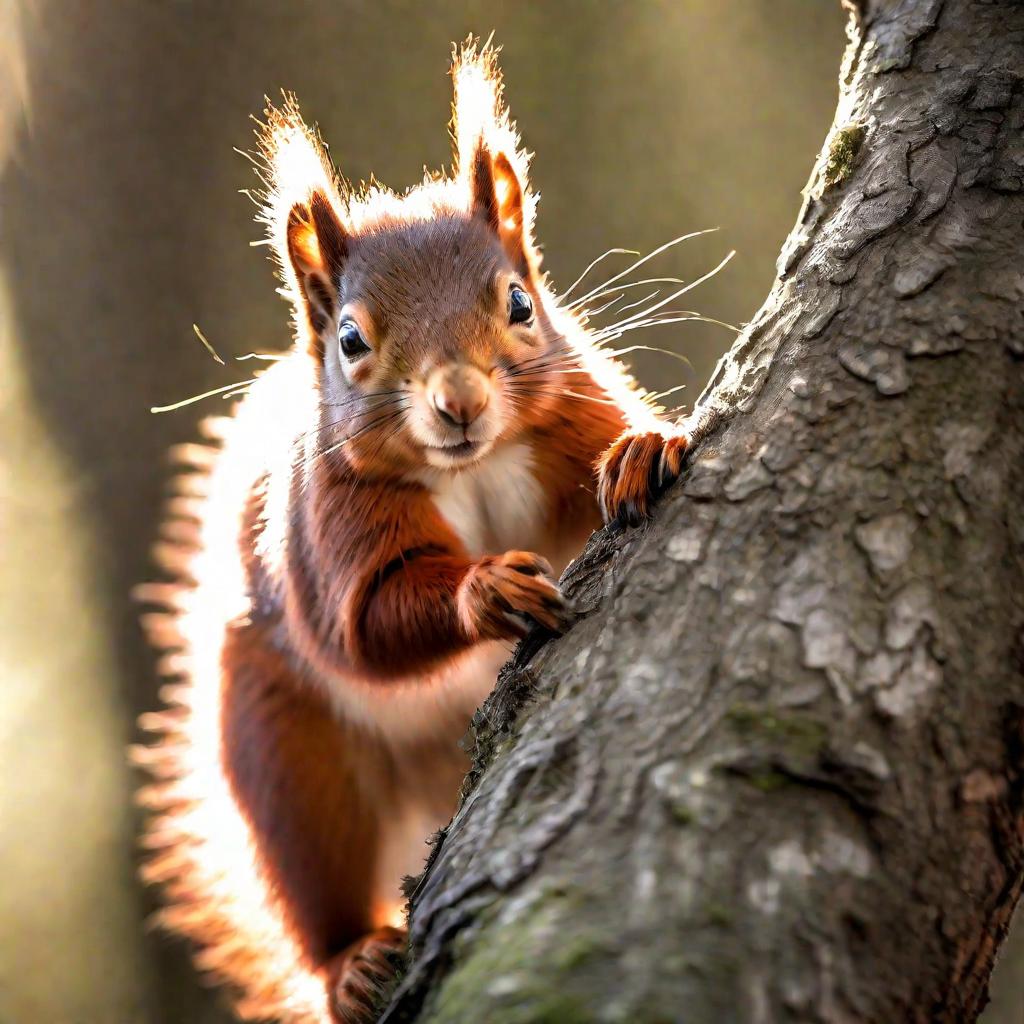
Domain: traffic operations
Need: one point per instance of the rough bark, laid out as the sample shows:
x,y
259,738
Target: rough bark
x,y
775,771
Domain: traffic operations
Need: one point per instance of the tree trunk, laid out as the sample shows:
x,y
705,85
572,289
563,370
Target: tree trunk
x,y
775,771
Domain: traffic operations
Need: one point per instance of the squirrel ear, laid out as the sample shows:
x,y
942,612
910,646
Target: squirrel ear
x,y
498,201
300,207
316,245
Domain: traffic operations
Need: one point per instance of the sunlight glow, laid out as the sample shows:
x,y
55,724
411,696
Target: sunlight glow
x,y
203,851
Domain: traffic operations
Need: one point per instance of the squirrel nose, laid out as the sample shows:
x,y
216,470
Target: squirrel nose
x,y
459,394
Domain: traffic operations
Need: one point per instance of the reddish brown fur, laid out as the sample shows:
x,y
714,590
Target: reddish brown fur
x,y
635,470
345,579
293,769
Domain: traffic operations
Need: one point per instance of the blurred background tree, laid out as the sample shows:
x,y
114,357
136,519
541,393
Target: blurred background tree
x,y
121,226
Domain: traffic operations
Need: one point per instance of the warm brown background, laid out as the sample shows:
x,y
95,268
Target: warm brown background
x,y
121,225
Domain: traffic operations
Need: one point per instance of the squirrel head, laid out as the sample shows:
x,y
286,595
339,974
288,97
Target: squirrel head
x,y
425,313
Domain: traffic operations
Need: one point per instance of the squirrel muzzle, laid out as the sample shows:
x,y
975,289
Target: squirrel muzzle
x,y
459,393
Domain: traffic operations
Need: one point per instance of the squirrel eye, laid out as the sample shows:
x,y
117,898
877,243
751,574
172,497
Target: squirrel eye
x,y
520,306
350,341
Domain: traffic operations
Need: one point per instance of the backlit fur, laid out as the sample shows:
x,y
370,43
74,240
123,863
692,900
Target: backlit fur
x,y
344,587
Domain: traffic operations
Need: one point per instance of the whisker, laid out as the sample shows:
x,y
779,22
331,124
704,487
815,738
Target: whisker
x,y
385,437
639,263
560,351
669,316
640,284
640,302
206,344
387,430
604,308
652,348
554,360
556,392
363,398
322,428
543,373
679,291
199,398
594,263
379,421
617,332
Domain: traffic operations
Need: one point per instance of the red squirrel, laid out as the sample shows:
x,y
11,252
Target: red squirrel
x,y
383,516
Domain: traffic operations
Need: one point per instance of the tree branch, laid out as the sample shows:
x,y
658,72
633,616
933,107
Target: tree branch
x,y
774,774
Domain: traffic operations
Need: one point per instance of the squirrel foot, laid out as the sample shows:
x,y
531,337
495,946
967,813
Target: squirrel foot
x,y
503,594
634,471
357,977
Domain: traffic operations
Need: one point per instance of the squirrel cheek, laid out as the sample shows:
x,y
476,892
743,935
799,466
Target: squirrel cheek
x,y
421,419
366,375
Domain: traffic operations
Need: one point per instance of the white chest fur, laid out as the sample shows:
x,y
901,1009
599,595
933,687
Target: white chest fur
x,y
496,505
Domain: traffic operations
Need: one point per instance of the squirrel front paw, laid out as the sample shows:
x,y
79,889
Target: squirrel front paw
x,y
634,471
502,595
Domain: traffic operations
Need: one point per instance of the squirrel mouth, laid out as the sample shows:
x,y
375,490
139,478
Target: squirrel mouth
x,y
457,452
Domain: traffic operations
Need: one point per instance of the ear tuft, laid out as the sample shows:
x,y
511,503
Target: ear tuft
x,y
489,162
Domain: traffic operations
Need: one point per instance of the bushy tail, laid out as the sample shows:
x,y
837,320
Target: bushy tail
x,y
199,848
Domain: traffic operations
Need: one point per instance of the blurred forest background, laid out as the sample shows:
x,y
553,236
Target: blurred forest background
x,y
122,225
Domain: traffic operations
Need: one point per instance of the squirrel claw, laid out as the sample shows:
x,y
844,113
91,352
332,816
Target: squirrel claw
x,y
635,471
358,976
503,595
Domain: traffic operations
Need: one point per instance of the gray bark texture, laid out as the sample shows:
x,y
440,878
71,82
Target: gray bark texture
x,y
776,771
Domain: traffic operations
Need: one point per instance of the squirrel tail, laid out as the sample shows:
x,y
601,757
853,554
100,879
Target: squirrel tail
x,y
197,843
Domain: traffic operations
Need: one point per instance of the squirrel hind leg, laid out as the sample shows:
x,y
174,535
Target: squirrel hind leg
x,y
357,978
